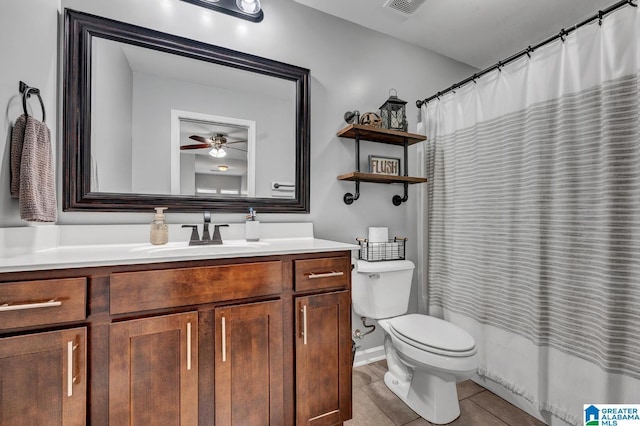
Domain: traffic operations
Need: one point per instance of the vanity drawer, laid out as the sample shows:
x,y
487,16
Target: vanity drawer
x,y
30,303
145,290
322,273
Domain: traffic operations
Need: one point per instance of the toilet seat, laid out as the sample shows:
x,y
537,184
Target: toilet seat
x,y
433,335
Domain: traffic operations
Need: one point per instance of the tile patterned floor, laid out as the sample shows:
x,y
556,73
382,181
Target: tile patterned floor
x,y
375,405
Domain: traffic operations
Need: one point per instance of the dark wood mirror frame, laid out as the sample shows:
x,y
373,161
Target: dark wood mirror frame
x,y
79,29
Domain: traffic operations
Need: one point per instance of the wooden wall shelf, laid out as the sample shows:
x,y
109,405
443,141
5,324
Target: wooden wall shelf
x,y
375,178
376,134
359,132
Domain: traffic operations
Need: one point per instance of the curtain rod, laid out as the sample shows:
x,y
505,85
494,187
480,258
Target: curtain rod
x,y
561,35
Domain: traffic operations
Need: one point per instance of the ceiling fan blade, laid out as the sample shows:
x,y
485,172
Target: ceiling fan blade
x,y
239,141
201,139
196,146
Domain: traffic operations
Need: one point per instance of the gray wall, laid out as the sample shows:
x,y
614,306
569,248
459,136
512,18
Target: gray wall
x,y
188,174
351,68
111,105
28,47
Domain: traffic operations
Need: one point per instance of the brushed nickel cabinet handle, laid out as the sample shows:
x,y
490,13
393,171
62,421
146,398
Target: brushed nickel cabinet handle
x,y
326,275
70,348
5,307
224,340
72,378
304,324
188,346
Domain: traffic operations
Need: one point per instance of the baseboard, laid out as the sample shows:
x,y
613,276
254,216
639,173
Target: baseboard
x,y
367,356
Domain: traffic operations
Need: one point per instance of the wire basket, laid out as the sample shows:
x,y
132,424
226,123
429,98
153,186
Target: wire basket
x,y
394,249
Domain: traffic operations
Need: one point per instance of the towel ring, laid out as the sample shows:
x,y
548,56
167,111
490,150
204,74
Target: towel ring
x,y
26,93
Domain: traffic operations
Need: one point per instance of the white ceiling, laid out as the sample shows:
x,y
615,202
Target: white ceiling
x,y
476,32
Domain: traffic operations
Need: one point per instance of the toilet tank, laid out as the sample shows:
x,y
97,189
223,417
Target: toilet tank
x,y
381,289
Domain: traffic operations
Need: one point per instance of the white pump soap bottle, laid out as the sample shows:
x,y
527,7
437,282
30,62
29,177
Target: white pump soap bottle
x,y
159,228
252,227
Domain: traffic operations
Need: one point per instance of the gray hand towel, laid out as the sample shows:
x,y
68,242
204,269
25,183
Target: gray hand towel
x,y
17,140
36,181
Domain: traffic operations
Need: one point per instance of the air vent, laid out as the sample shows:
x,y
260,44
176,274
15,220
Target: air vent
x,y
406,7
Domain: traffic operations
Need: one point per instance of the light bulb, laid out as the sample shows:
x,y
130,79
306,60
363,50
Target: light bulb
x,y
217,152
249,6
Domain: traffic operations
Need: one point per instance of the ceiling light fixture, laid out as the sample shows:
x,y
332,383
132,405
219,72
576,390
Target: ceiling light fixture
x,y
223,167
217,152
250,10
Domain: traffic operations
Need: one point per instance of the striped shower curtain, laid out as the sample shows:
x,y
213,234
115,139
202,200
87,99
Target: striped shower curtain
x,y
533,220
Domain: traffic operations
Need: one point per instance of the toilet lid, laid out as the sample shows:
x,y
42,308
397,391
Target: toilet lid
x,y
433,335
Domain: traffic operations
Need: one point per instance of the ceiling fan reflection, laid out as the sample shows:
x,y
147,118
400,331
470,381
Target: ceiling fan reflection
x,y
217,142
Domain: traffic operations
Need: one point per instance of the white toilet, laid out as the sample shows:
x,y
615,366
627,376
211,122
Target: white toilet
x,y
426,356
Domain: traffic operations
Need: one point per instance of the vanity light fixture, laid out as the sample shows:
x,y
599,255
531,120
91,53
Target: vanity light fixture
x,y
249,6
251,10
217,152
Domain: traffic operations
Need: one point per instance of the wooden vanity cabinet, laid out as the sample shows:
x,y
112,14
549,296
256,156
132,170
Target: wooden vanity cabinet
x,y
42,372
153,371
323,342
211,342
249,379
323,359
242,357
43,378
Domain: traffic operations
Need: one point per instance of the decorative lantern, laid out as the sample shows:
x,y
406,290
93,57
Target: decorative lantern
x,y
393,113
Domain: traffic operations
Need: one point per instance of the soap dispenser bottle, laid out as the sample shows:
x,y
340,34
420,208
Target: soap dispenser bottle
x,y
252,227
159,228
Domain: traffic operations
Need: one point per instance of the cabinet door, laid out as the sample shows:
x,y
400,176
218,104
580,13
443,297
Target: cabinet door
x,y
323,359
43,379
153,371
249,365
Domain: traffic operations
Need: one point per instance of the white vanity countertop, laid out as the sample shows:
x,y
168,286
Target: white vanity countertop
x,y
76,246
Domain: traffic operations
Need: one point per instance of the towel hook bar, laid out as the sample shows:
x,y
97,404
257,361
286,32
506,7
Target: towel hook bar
x,y
27,91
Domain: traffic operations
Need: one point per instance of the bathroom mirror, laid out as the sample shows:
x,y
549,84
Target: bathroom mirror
x,y
153,119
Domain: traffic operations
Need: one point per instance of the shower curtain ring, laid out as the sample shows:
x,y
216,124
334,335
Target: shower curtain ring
x,y
529,51
600,14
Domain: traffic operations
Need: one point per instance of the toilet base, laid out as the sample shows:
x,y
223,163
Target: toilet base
x,y
433,397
